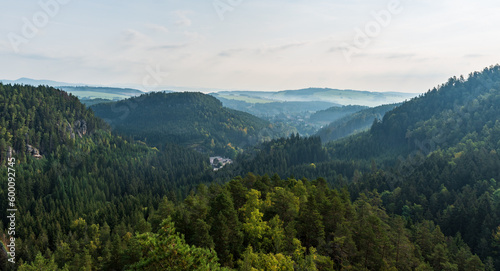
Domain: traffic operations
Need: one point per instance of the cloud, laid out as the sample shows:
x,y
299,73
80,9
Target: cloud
x,y
182,18
474,56
54,57
335,49
193,35
275,49
169,46
157,28
5,46
399,56
269,42
260,50
132,36
230,52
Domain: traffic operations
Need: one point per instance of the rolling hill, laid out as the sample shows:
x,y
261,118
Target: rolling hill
x,y
335,96
443,117
269,109
435,157
354,123
98,200
324,117
195,120
72,175
36,82
439,160
89,95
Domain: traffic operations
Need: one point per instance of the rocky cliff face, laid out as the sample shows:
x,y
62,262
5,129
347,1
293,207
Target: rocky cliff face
x,y
33,151
80,127
10,152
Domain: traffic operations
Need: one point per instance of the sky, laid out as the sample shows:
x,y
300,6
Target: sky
x,y
266,45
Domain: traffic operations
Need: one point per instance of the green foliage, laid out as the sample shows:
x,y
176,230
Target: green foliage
x,y
323,229
444,116
353,123
194,120
88,188
439,161
282,155
41,264
95,201
42,117
324,117
167,250
269,262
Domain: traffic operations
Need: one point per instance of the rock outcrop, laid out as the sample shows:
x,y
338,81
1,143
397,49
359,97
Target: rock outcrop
x,y
10,152
33,151
80,127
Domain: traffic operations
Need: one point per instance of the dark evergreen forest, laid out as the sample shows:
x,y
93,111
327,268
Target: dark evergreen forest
x,y
420,190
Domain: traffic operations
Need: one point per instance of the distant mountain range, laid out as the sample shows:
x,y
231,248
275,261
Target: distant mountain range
x,y
87,94
234,99
36,82
310,109
334,96
270,109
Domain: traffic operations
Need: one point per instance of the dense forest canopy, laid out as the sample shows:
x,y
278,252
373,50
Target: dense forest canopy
x,y
357,122
81,173
417,191
332,114
443,116
194,120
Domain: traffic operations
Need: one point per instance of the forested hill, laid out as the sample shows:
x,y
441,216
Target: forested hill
x,y
95,201
195,120
353,123
324,117
438,158
433,158
41,117
443,117
75,178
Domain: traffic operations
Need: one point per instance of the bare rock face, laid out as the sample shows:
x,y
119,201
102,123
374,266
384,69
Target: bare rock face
x,y
10,152
80,127
33,151
69,130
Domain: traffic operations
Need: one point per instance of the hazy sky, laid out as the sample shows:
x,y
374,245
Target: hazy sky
x,y
410,46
